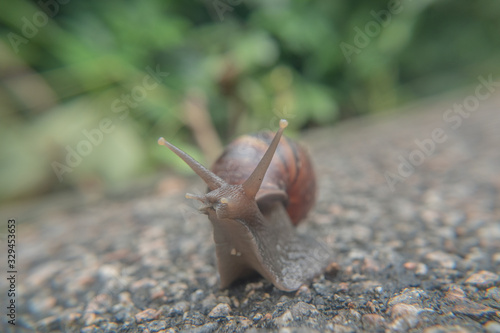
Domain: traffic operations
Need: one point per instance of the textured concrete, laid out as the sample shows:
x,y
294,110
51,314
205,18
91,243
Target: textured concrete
x,y
420,252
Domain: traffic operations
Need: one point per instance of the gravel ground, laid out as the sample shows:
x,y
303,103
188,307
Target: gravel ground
x,y
424,256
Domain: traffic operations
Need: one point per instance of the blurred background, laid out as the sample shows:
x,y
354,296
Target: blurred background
x,y
87,87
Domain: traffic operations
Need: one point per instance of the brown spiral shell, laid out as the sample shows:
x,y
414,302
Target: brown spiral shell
x,y
290,177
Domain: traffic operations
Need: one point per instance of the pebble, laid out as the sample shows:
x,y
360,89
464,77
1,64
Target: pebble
x,y
410,265
257,317
483,279
474,310
195,318
408,313
346,317
443,259
41,303
284,319
421,269
90,329
197,296
332,269
237,324
90,318
322,289
99,304
157,325
304,293
493,294
489,236
445,329
409,296
208,303
373,322
111,327
220,310
455,294
302,309
146,315
48,324
496,258
42,273
143,283
206,328
370,266
178,309
492,327
343,329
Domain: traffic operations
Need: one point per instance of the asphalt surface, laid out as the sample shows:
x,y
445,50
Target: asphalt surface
x,y
409,203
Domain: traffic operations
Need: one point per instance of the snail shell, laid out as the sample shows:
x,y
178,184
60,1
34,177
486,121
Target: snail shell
x,y
290,177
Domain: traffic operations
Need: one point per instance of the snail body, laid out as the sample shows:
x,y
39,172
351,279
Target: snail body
x,y
254,202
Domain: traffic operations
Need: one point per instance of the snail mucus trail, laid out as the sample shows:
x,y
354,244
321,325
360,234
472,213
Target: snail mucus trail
x,y
252,228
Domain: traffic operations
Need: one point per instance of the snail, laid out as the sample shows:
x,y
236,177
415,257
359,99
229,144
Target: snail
x,y
254,203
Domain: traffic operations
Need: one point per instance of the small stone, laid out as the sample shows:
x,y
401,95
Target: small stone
x,y
208,303
41,303
237,323
322,289
347,317
409,296
302,309
123,315
408,313
494,294
110,327
489,235
496,258
197,296
492,327
254,286
221,310
304,293
483,279
143,283
73,317
99,304
284,319
146,315
194,318
42,273
445,329
343,329
443,259
178,309
474,310
370,266
90,329
361,233
125,298
373,322
421,269
364,286
48,324
332,269
455,294
157,325
257,317
91,318
411,266
206,328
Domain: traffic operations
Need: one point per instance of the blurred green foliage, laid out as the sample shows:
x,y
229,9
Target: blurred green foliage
x,y
247,63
